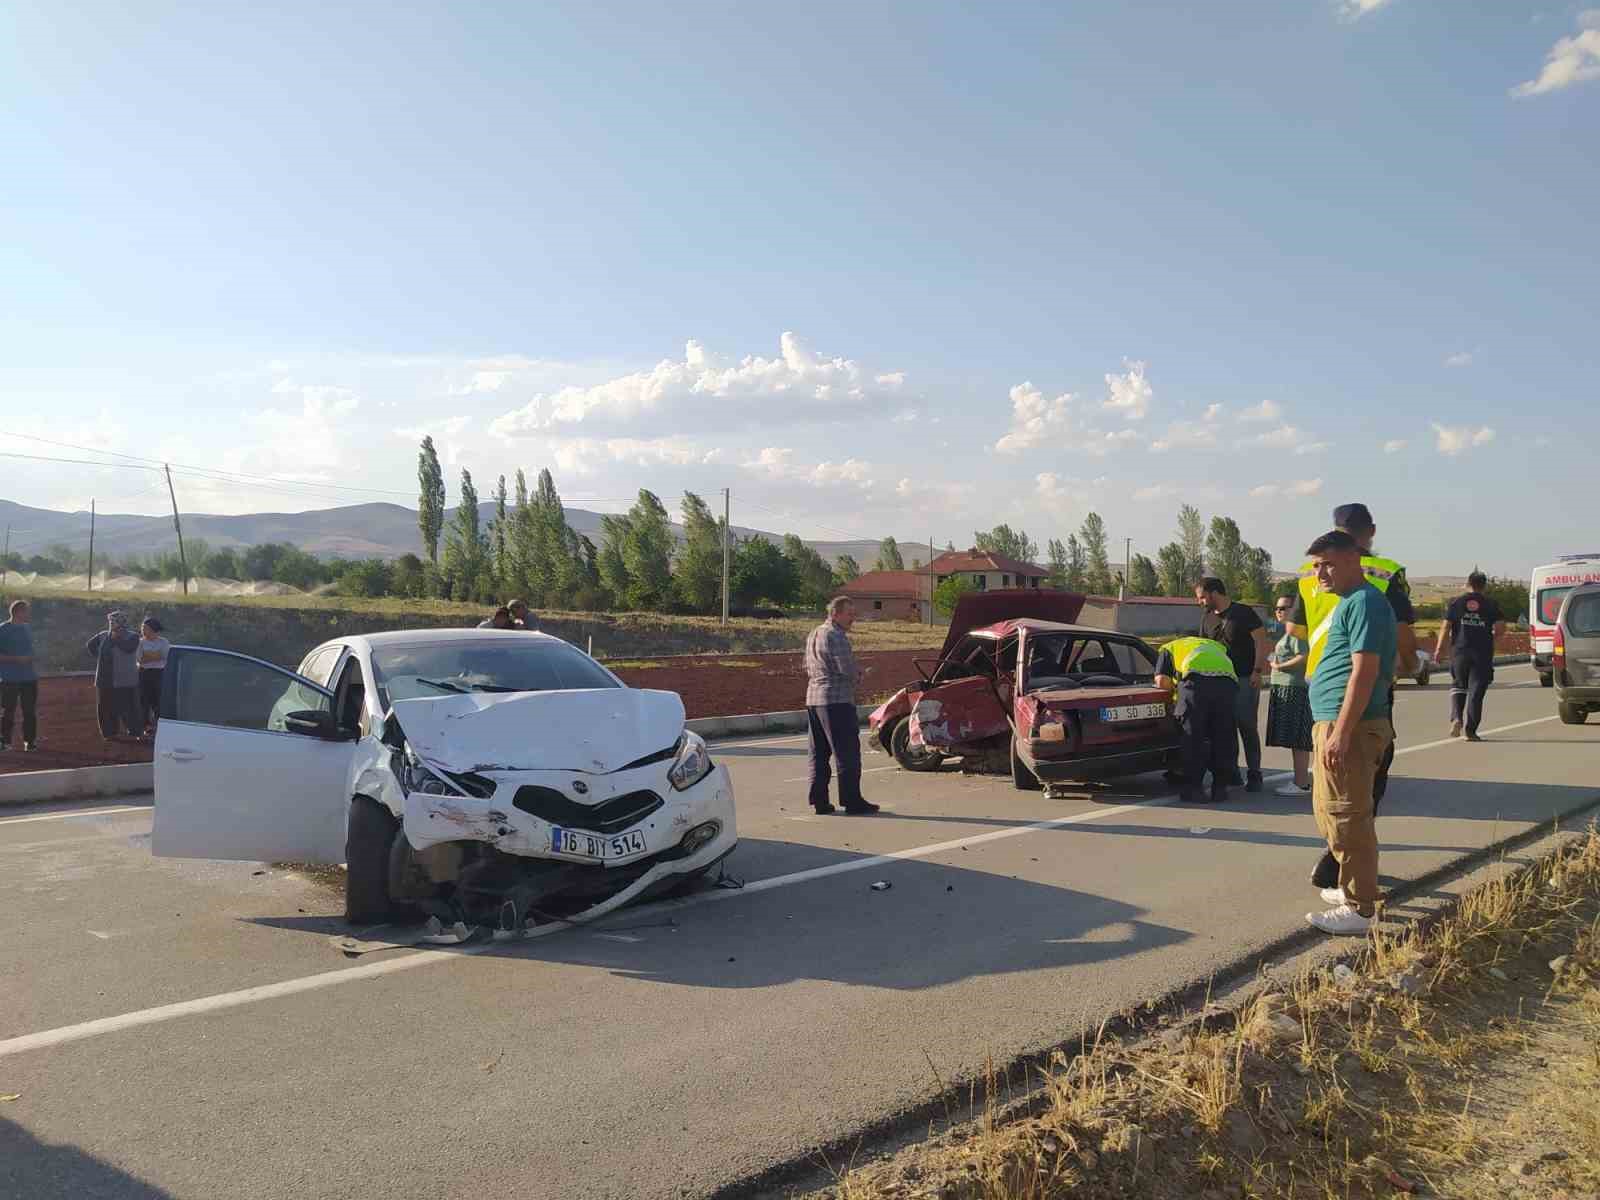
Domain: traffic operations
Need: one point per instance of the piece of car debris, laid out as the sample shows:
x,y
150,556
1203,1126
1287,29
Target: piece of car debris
x,y
883,885
435,933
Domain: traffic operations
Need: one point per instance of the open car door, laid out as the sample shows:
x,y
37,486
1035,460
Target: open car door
x,y
971,709
249,763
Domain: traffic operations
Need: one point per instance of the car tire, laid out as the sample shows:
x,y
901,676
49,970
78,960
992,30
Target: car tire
x,y
1547,681
909,756
370,835
1572,714
1024,779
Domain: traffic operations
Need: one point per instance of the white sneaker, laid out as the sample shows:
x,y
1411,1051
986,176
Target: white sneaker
x,y
1292,789
1343,921
1335,896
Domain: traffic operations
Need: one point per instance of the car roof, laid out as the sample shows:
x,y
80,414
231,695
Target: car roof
x,y
428,637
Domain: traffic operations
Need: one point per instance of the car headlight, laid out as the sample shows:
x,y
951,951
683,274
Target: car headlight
x,y
693,762
414,777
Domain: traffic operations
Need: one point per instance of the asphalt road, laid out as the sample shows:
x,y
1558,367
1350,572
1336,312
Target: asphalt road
x,y
185,1029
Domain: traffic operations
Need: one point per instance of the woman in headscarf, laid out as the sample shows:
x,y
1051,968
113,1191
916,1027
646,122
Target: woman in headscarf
x,y
115,650
153,649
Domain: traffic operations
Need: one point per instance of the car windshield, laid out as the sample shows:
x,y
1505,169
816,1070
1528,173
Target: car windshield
x,y
1070,660
500,665
1550,603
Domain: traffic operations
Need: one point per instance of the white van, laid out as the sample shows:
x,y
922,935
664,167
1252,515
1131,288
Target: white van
x,y
1546,591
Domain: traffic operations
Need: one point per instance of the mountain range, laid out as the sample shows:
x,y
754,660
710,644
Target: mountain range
x,y
350,531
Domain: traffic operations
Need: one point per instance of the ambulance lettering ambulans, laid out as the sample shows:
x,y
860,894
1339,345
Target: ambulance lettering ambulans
x,y
1547,590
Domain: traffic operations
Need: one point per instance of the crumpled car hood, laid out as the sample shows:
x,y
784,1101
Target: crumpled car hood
x,y
595,731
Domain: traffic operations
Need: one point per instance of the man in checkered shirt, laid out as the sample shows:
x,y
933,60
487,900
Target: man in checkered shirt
x,y
831,677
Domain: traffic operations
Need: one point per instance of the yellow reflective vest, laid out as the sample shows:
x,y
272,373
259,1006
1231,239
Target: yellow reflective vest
x,y
1200,656
1319,605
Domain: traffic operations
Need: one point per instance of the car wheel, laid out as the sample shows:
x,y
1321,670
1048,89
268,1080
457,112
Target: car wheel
x,y
366,853
912,758
1025,779
1547,681
1573,714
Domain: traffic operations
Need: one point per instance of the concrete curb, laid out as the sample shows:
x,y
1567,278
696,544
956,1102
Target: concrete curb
x,y
717,728
76,783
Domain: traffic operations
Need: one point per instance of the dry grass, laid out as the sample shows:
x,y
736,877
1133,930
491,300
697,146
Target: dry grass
x,y
1433,1063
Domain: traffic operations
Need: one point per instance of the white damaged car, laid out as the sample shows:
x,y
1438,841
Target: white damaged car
x,y
453,771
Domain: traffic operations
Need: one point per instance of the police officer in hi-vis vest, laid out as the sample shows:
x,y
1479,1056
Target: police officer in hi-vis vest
x,y
1309,620
1199,671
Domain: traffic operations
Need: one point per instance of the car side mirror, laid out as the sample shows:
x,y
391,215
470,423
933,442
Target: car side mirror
x,y
315,723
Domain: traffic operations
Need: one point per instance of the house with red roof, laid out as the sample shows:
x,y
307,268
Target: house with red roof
x,y
987,571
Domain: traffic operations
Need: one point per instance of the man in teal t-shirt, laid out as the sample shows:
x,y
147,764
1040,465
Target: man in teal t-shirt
x,y
1350,730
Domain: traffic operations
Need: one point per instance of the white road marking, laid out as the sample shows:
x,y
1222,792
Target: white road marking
x,y
81,812
864,771
406,962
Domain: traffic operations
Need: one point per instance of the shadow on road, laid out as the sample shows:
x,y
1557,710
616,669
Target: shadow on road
x,y
32,1168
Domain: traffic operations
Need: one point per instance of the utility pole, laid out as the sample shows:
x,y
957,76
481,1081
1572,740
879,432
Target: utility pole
x,y
5,557
727,534
1127,566
183,559
91,545
930,579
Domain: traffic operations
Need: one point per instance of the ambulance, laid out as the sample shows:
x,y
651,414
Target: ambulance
x,y
1546,591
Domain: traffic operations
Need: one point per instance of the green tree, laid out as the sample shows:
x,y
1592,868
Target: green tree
x,y
698,579
647,553
1227,556
889,556
1192,537
1142,577
521,538
845,568
466,553
813,581
259,560
1097,567
1510,595
1258,584
761,572
555,571
1077,564
370,578
610,563
222,564
949,591
430,501
1012,543
1172,567
1057,553
500,536
406,577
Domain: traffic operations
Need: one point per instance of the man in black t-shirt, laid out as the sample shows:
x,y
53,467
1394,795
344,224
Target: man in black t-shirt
x,y
1472,622
1238,628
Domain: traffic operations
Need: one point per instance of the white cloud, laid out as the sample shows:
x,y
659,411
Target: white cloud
x,y
317,400
1299,487
1394,446
1464,359
926,497
1129,393
1458,439
583,456
1267,410
1213,412
778,462
1058,490
1186,435
448,427
1156,491
892,378
798,383
1035,419
1572,60
1354,10
1312,447
1286,437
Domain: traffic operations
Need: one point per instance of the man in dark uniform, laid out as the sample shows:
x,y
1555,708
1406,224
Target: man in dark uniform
x,y
1199,671
1241,632
1472,622
1389,578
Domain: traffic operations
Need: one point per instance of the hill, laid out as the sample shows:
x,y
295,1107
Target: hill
x,y
349,531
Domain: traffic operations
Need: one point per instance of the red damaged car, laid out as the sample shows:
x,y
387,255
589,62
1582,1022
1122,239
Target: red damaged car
x,y
1060,701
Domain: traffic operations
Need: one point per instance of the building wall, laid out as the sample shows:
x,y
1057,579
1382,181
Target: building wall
x,y
890,608
996,580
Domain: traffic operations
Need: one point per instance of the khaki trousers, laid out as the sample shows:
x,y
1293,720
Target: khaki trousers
x,y
1343,807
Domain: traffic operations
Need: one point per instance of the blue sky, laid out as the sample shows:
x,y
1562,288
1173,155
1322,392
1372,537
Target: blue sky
x,y
878,268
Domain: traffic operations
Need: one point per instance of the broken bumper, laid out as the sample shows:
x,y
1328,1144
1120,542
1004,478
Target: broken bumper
x,y
1090,765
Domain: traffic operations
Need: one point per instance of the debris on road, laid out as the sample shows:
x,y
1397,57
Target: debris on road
x,y
882,885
